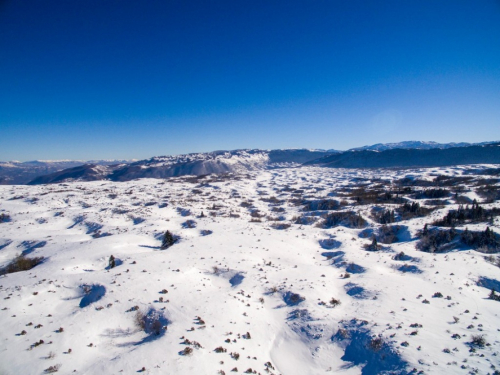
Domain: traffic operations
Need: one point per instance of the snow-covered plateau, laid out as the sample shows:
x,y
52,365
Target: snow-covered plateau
x,y
287,271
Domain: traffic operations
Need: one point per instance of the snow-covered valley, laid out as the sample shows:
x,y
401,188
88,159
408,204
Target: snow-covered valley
x,y
288,271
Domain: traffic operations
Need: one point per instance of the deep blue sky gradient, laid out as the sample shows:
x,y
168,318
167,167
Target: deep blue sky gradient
x,y
132,79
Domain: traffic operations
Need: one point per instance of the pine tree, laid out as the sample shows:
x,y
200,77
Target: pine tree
x,y
112,262
168,240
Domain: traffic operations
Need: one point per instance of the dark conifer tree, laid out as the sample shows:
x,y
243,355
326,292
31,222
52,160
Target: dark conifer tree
x,y
168,240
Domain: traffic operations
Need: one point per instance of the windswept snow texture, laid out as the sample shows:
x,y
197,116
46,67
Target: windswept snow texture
x,y
234,292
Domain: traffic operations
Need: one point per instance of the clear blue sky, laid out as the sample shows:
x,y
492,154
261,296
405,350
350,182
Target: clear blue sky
x,y
132,79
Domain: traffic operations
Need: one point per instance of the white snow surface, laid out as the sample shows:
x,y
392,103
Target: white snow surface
x,y
76,226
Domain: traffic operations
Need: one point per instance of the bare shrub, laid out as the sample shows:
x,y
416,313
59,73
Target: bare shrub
x,y
52,369
36,344
335,302
21,263
186,351
277,209
139,320
235,356
376,344
344,333
256,214
273,289
478,340
189,224
364,196
401,256
280,226
304,219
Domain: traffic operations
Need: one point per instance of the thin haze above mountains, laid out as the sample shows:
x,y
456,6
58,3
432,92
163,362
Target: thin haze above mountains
x,y
389,155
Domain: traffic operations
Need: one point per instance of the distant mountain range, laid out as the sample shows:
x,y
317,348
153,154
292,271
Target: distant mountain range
x,y
420,145
19,173
188,164
403,154
411,157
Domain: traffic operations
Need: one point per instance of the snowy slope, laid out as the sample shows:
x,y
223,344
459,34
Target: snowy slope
x,y
237,161
258,267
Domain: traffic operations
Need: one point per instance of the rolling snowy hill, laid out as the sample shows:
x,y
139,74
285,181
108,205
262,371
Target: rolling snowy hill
x,y
17,173
237,161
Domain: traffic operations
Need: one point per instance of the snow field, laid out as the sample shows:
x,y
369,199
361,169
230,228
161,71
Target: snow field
x,y
77,226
